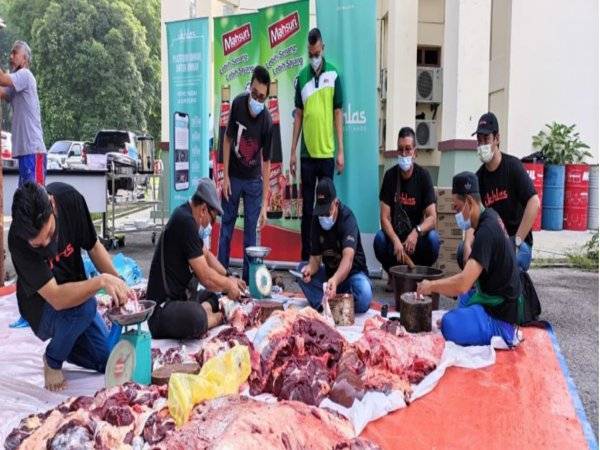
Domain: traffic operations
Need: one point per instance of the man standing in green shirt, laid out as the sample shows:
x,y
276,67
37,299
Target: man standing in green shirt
x,y
318,108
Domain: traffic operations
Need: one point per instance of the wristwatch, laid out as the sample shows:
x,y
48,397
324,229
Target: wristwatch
x,y
518,241
419,230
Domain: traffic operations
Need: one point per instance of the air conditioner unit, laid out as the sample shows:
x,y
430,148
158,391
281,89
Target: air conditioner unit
x,y
426,136
429,84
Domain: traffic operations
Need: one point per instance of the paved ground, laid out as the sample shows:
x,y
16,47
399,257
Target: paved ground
x,y
569,300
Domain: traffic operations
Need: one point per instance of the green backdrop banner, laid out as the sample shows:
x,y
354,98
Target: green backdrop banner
x,y
348,28
188,56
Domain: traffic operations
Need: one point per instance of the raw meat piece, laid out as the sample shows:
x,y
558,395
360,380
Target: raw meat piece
x,y
241,315
388,325
296,334
348,384
158,425
357,444
173,355
110,419
305,379
395,362
243,423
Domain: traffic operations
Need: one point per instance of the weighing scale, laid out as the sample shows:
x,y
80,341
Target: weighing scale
x,y
260,277
131,358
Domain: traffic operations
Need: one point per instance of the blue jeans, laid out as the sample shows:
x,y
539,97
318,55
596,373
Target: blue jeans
x,y
32,168
358,285
523,255
78,335
251,192
472,325
425,254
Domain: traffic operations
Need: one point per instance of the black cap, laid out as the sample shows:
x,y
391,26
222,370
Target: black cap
x,y
325,195
487,124
465,183
207,192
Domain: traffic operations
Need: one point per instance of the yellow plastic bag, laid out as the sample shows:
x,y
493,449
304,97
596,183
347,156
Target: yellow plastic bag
x,y
220,375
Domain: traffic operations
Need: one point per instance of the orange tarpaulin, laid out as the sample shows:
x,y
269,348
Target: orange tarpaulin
x,y
524,401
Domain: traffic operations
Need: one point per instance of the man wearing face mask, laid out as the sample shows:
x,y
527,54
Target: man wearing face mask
x,y
183,312
497,305
506,187
50,226
337,263
408,215
318,111
19,88
247,164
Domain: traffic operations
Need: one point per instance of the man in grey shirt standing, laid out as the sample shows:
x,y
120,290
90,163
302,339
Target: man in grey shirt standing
x,y
19,88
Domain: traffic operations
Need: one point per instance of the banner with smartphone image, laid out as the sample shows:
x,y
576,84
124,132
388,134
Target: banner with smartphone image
x,y
276,38
188,66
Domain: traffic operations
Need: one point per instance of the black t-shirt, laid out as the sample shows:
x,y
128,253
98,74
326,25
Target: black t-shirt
x,y
249,136
330,244
182,243
507,190
74,231
496,254
415,194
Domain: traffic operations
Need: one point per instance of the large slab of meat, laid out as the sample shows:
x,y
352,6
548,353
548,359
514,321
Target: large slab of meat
x,y
299,352
125,416
394,359
242,423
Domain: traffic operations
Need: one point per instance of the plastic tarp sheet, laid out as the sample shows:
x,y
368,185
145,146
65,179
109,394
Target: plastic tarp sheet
x,y
21,380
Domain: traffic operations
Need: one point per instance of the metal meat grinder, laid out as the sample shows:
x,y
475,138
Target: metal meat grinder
x,y
259,276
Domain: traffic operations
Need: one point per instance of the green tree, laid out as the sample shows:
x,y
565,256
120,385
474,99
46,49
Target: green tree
x,y
96,63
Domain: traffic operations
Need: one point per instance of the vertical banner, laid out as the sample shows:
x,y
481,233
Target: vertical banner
x,y
348,28
284,34
188,55
236,53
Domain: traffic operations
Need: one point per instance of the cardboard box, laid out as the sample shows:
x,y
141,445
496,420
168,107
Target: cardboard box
x,y
444,200
446,226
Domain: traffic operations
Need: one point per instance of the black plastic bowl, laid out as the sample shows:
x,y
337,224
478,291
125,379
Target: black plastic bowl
x,y
406,279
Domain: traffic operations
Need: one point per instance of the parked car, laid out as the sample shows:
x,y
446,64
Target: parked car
x,y
116,151
6,144
65,155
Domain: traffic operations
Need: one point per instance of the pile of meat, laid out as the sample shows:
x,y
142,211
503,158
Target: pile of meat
x,y
127,416
302,357
241,423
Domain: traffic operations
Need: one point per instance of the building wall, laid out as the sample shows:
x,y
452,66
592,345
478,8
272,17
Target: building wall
x,y
553,74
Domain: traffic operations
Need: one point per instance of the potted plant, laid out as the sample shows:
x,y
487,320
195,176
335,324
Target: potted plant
x,y
560,145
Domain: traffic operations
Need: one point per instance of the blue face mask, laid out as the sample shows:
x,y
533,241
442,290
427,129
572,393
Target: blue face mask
x,y
461,222
256,107
405,163
326,222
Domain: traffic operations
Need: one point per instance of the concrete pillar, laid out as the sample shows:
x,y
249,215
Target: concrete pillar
x,y
403,20
466,53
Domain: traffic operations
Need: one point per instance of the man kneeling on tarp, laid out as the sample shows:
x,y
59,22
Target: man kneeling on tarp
x,y
180,258
497,304
49,229
335,241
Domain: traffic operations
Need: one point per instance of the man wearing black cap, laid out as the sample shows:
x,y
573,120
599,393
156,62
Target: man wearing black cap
x,y
497,305
506,187
183,312
335,242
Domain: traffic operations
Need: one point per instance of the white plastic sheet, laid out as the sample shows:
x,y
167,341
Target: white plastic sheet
x,y
21,378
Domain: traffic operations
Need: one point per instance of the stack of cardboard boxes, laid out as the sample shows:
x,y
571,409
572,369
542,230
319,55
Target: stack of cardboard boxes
x,y
450,234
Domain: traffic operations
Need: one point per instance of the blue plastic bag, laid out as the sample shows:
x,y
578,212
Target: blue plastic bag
x,y
125,266
19,323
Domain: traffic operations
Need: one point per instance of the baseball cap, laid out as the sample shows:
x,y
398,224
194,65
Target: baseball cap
x,y
487,124
465,183
207,192
325,195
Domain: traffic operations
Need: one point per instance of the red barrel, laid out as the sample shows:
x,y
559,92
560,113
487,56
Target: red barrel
x,y
577,178
536,173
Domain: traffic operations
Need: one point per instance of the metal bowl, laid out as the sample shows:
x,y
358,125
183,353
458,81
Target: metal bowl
x,y
116,316
257,251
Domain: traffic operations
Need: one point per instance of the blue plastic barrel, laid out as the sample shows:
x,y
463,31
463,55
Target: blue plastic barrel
x,y
553,198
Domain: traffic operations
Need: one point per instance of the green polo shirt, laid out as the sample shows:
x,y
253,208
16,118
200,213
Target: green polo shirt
x,y
318,97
